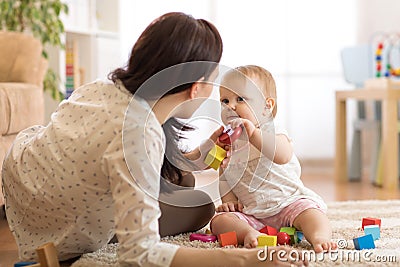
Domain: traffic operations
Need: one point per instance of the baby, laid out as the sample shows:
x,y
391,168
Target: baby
x,y
261,185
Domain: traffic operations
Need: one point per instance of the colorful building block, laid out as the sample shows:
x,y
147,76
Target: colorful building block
x,y
374,230
268,230
291,231
267,240
364,242
300,236
283,238
215,156
371,221
228,239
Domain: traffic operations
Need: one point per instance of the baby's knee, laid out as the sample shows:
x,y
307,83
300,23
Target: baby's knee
x,y
222,219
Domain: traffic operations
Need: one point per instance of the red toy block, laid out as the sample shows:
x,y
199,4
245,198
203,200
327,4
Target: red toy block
x,y
228,239
371,221
269,230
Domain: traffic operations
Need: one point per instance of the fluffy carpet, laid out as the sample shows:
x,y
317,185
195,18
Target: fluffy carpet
x,y
345,218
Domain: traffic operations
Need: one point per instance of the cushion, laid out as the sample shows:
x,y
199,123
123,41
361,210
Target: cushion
x,y
20,58
21,106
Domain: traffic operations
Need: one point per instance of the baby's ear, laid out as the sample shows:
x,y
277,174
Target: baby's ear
x,y
270,102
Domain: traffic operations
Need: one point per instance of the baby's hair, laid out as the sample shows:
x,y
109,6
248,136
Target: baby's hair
x,y
263,79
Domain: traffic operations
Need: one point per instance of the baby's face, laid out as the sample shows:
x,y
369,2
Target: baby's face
x,y
236,105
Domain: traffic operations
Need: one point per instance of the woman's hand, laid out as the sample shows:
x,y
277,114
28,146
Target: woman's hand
x,y
198,155
230,206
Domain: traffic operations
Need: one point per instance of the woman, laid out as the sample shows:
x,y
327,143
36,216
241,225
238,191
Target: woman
x,y
95,169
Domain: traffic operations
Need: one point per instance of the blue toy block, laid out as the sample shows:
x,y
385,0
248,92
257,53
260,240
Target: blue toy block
x,y
374,230
24,263
300,236
364,242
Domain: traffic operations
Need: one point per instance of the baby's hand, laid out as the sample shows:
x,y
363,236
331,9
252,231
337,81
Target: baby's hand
x,y
246,124
230,206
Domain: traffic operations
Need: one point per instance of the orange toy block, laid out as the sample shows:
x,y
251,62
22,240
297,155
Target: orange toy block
x,y
371,221
228,239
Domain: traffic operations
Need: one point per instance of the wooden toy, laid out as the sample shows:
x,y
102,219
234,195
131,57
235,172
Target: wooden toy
x,y
215,156
291,231
24,263
283,238
374,230
47,255
266,240
228,239
300,236
202,237
268,230
364,242
371,221
229,136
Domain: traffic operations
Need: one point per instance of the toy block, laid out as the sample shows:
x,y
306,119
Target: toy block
x,y
268,230
371,221
267,240
47,255
228,239
300,236
215,156
26,264
374,230
291,231
364,242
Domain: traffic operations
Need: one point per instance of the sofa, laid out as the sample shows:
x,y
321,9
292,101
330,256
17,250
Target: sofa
x,y
22,70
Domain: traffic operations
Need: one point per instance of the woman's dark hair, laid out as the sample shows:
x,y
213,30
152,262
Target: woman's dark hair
x,y
171,39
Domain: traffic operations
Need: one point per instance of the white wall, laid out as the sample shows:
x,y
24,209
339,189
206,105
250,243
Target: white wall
x,y
298,41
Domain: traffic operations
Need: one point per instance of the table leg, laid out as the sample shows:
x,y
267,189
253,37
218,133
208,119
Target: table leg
x,y
341,147
390,144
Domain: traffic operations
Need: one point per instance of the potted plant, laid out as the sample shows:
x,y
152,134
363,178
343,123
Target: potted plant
x,y
42,19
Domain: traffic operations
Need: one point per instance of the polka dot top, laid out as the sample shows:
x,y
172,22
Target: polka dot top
x,y
70,182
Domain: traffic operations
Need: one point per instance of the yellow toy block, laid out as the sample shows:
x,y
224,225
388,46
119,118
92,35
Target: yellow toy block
x,y
267,240
215,156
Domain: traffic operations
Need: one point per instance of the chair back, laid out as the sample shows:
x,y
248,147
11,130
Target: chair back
x,y
357,62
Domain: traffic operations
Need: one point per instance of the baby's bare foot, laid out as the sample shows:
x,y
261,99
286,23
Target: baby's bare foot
x,y
250,240
323,244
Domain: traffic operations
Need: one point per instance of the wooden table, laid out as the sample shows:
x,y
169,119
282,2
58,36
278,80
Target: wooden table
x,y
390,141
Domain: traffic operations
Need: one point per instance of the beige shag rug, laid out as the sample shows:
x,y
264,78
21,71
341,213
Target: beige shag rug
x,y
345,218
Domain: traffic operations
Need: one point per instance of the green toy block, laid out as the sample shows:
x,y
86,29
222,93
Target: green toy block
x,y
291,231
215,156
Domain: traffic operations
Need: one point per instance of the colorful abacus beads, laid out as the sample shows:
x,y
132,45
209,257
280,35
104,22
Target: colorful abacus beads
x,y
378,58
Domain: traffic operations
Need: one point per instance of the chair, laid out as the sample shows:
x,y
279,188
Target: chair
x,y
357,62
22,70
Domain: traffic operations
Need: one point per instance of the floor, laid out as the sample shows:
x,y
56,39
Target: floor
x,y
317,175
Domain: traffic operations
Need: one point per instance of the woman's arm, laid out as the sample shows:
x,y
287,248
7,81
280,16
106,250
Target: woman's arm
x,y
236,257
